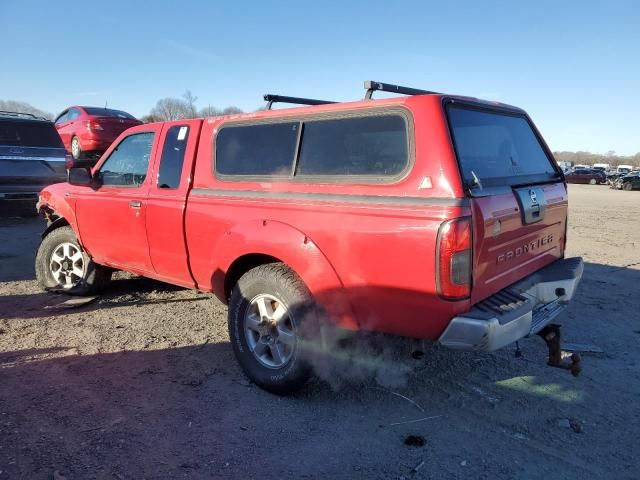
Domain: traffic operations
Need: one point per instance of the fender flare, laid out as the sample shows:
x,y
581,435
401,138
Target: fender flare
x,y
57,223
292,247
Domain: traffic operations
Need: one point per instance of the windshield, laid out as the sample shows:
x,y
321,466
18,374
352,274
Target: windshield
x,y
108,112
497,149
27,133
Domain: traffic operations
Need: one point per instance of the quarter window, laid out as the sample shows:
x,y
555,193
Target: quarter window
x,y
375,145
257,150
175,144
128,163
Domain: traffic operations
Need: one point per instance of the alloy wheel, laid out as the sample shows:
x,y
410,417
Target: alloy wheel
x,y
67,265
270,331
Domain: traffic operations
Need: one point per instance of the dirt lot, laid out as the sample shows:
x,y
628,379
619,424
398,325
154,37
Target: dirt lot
x,y
142,383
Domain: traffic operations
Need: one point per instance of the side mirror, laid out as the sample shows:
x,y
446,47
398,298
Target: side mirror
x,y
81,177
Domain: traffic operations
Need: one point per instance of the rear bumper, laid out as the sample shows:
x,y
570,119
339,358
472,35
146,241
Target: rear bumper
x,y
519,310
91,144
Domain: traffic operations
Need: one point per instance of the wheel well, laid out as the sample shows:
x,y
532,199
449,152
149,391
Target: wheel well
x,y
242,265
57,223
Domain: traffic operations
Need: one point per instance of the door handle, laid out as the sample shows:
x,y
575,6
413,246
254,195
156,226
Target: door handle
x,y
135,204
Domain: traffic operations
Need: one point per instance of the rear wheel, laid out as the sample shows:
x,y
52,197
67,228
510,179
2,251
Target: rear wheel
x,y
62,265
76,149
267,309
627,186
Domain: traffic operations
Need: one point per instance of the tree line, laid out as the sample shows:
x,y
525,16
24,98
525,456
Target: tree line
x,y
23,107
171,108
588,158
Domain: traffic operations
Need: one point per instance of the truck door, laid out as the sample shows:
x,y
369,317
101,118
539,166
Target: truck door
x,y
167,201
111,217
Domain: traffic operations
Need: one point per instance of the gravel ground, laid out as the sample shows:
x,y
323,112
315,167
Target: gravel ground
x,y
142,383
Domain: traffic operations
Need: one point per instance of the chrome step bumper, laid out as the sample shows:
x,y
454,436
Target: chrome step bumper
x,y
519,310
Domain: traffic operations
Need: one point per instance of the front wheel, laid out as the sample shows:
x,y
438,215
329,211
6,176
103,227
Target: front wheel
x,y
267,310
62,265
593,181
627,186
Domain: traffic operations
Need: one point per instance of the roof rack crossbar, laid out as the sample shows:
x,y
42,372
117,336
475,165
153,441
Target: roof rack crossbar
x,y
271,99
20,114
372,86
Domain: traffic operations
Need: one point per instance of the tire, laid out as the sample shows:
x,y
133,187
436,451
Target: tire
x,y
62,265
76,149
627,186
267,342
593,181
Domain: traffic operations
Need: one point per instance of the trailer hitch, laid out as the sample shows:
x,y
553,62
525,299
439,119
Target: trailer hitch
x,y
557,358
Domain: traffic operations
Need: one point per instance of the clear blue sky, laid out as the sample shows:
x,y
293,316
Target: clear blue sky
x,y
574,66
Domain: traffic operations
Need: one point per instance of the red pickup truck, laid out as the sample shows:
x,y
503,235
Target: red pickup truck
x,y
427,215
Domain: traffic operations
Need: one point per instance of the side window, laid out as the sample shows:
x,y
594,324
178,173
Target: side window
x,y
175,144
62,118
375,145
127,165
257,150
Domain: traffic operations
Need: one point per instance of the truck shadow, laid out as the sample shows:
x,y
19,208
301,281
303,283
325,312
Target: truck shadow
x,y
123,291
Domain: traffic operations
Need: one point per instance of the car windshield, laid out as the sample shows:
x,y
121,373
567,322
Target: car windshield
x,y
27,133
496,149
108,112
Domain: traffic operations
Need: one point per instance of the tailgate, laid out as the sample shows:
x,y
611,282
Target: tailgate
x,y
114,126
508,243
518,195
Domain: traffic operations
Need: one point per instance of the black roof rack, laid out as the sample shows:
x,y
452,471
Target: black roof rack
x,y
372,86
271,99
6,113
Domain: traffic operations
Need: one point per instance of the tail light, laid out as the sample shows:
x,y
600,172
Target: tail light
x,y
454,259
93,125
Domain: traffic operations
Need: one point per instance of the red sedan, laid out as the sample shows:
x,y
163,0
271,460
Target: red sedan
x,y
90,130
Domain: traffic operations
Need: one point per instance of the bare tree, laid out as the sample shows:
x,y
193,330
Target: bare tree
x,y
190,101
170,109
209,111
149,119
231,111
178,108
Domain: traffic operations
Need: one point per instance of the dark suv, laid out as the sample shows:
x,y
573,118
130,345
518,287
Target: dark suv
x,y
31,156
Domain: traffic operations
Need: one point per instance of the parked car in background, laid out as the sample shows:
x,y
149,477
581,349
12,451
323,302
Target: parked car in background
x,y
427,216
631,181
624,169
613,176
31,156
88,131
583,175
603,167
565,166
